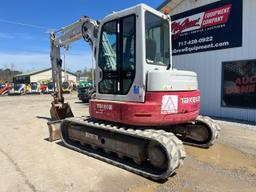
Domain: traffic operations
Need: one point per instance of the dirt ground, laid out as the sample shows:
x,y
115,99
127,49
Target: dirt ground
x,y
28,162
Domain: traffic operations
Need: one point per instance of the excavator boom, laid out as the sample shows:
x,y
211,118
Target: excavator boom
x,y
85,28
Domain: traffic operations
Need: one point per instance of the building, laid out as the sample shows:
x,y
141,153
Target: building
x,y
216,39
36,76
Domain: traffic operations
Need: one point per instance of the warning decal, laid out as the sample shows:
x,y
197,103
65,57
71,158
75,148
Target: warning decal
x,y
169,104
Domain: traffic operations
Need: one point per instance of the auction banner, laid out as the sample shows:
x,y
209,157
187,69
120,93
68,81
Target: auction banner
x,y
239,84
210,27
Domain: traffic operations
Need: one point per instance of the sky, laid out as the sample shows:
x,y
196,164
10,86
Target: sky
x,y
25,26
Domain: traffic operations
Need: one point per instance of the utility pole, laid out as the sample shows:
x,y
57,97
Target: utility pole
x,y
65,66
92,70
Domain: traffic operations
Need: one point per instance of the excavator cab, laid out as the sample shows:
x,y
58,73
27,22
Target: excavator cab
x,y
131,43
135,82
132,50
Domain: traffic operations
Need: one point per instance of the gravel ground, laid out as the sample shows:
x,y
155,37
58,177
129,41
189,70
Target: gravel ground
x,y
30,163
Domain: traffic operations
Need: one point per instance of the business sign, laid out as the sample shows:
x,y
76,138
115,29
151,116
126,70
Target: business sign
x,y
239,84
211,27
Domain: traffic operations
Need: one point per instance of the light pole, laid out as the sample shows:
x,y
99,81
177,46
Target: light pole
x,y
65,66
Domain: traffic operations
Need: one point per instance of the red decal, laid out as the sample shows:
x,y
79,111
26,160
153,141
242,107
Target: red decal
x,y
178,28
216,16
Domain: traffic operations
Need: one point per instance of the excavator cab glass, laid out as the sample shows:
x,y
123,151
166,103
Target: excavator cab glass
x,y
157,40
117,55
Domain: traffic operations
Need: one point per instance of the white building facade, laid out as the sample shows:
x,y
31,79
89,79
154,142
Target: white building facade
x,y
217,40
42,75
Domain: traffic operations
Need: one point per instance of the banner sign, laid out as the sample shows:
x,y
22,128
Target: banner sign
x,y
239,84
211,27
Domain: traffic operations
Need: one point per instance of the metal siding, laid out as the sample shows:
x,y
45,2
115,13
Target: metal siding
x,y
208,65
48,75
41,76
191,4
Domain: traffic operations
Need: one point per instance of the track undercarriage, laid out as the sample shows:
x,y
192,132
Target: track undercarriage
x,y
153,152
202,132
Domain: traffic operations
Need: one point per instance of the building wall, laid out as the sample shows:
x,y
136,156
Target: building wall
x,y
21,79
208,65
190,4
48,75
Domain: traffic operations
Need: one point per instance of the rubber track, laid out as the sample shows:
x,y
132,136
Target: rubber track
x,y
173,146
214,128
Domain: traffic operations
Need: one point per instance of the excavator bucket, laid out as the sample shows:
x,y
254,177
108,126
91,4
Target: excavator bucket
x,y
58,112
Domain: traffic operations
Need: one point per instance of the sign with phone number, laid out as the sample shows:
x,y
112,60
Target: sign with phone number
x,y
211,27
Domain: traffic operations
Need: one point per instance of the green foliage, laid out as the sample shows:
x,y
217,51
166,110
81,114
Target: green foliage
x,y
86,74
8,74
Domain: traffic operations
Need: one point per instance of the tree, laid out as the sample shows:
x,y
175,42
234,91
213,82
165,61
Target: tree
x,y
86,73
8,73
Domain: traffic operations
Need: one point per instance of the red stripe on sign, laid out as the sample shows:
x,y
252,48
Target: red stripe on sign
x,y
216,16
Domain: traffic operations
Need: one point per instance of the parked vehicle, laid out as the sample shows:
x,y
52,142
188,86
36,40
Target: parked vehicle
x,y
35,88
5,88
18,89
28,88
50,87
67,86
44,88
83,83
85,93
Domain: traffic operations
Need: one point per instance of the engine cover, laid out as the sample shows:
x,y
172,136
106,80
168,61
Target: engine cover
x,y
171,80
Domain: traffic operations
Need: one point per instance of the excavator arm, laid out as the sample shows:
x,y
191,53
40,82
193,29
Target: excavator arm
x,y
85,28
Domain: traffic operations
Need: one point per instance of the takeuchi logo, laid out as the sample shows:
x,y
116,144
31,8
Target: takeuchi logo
x,y
179,27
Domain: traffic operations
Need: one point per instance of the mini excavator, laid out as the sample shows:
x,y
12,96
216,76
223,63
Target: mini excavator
x,y
143,110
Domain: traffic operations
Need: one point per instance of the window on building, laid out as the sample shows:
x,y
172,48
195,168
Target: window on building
x,y
239,84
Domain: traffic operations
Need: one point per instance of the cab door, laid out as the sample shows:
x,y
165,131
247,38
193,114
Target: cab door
x,y
117,58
